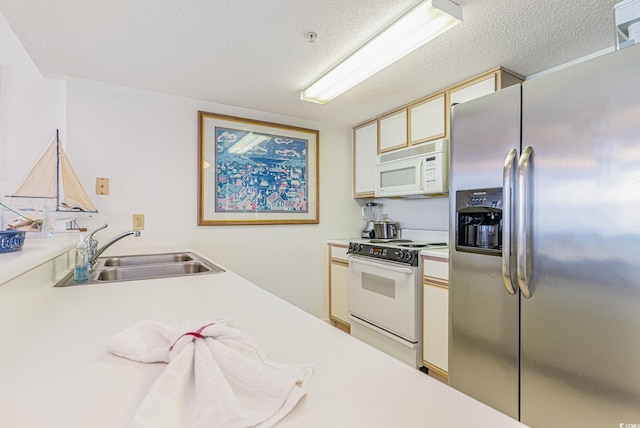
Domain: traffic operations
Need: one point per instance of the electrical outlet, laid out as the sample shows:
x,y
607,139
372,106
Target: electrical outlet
x,y
138,222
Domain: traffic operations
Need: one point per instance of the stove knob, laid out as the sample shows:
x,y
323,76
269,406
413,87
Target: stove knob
x,y
400,254
408,256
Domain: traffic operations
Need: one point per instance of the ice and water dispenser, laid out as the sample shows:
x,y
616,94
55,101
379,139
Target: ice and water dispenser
x,y
479,220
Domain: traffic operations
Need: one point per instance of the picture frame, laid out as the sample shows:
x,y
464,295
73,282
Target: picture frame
x,y
252,172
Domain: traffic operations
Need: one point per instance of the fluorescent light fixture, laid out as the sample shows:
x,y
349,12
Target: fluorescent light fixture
x,y
424,22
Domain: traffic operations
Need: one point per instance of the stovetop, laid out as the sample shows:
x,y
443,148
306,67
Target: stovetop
x,y
404,243
403,251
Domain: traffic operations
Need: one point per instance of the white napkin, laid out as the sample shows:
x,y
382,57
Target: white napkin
x,y
216,376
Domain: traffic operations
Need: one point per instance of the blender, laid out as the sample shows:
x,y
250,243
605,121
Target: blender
x,y
370,214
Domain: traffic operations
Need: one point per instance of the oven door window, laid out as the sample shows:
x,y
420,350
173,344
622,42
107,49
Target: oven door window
x,y
378,284
384,294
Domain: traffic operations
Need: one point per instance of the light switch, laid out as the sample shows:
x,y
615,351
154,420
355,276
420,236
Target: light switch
x,y
102,186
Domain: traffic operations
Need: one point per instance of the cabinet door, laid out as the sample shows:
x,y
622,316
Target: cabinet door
x,y
365,156
339,292
427,120
435,327
474,90
392,131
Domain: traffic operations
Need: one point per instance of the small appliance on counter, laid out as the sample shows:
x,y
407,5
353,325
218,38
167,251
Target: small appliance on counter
x,y
370,214
386,228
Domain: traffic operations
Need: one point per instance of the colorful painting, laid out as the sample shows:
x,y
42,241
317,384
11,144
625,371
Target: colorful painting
x,y
260,172
256,172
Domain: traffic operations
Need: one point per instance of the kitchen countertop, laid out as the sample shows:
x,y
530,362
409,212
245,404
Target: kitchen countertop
x,y
441,253
35,251
56,371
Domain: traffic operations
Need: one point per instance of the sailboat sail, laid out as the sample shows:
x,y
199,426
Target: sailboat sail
x,y
73,194
53,177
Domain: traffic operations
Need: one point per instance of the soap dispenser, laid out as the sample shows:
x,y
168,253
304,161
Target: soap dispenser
x,y
81,268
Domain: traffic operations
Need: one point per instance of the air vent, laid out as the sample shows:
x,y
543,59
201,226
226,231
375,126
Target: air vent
x,y
434,146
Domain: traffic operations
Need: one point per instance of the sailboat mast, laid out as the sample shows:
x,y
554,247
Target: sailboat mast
x,y
57,169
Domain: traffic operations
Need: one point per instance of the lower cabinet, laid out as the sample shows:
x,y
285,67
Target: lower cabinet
x,y
435,316
339,287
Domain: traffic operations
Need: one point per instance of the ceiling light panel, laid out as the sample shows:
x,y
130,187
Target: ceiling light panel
x,y
422,23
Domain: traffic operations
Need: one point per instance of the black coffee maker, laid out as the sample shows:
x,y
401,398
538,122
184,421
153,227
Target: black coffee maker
x,y
479,220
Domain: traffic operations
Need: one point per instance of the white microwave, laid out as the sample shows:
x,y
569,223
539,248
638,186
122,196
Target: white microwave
x,y
419,171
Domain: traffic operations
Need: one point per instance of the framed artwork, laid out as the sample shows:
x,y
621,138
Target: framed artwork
x,y
254,172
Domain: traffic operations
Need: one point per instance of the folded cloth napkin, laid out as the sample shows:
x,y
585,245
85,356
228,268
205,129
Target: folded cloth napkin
x,y
216,376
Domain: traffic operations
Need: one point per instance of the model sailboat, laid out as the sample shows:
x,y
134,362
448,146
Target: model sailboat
x,y
53,178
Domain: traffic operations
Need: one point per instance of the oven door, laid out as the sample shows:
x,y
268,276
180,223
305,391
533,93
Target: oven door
x,y
385,295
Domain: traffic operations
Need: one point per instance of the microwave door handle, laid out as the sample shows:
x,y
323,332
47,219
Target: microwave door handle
x,y
524,242
508,193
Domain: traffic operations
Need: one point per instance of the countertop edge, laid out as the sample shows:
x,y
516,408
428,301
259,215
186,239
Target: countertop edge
x,y
35,251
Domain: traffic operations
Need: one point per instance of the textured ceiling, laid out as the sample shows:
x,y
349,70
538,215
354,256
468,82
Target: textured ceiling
x,y
254,54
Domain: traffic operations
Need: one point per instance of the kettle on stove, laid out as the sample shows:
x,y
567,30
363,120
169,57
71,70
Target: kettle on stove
x,y
386,228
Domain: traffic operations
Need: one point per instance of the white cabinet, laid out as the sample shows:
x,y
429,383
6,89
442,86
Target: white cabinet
x,y
392,131
365,156
427,120
484,86
423,120
339,286
435,316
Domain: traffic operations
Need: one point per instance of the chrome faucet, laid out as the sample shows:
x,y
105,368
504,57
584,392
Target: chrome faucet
x,y
92,244
94,251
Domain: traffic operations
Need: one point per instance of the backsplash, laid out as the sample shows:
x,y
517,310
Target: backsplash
x,y
417,213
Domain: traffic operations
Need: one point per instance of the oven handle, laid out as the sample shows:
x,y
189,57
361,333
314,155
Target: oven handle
x,y
404,342
381,265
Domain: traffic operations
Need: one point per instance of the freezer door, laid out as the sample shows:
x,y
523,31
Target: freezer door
x,y
483,316
580,343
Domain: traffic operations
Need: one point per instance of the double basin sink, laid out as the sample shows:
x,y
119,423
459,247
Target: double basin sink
x,y
145,266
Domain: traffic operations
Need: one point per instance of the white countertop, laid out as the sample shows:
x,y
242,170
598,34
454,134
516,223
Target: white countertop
x,y
35,251
441,253
56,371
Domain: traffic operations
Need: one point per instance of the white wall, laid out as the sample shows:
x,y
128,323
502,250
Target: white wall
x,y
146,144
427,213
31,108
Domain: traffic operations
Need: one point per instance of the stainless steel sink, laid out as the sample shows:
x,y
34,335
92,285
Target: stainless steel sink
x,y
146,266
147,259
151,271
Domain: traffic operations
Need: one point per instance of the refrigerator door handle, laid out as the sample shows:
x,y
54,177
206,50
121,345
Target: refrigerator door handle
x,y
508,193
523,225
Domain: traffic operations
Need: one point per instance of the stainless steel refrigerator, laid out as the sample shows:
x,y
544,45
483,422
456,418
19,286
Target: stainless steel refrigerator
x,y
545,271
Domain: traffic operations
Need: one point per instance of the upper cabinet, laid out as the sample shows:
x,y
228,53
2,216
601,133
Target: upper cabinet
x,y
424,120
427,119
484,84
365,155
474,89
392,131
